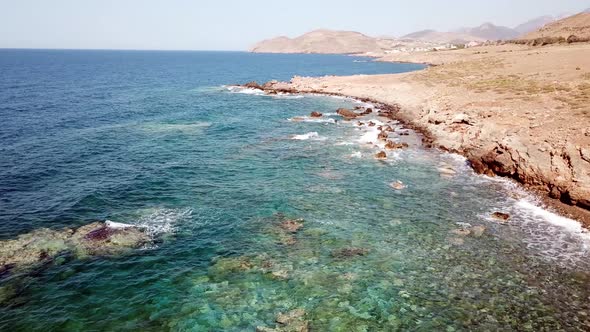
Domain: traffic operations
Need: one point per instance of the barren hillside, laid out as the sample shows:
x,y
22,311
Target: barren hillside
x,y
577,25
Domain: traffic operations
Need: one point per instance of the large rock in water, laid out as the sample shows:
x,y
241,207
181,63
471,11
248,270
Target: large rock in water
x,y
253,85
38,246
346,113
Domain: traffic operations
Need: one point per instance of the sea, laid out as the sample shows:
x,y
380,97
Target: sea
x,y
165,141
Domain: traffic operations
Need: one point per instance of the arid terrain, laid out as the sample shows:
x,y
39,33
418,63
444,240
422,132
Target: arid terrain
x,y
577,25
516,111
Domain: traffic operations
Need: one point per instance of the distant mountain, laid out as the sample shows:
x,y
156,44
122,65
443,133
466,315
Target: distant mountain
x,y
441,37
484,32
534,24
489,31
577,25
322,41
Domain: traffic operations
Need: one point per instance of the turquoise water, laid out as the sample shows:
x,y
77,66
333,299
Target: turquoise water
x,y
156,139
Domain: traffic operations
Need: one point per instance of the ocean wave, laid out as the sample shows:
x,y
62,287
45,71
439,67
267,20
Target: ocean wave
x,y
356,154
186,128
161,221
287,96
536,212
117,225
312,120
244,90
311,135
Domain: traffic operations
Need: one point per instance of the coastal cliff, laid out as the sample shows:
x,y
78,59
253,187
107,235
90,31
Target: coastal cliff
x,y
496,109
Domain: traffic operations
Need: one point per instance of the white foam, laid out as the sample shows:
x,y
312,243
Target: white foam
x,y
287,96
371,134
356,154
312,120
312,135
567,224
162,221
244,90
117,225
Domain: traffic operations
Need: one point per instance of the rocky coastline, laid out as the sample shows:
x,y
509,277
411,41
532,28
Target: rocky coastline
x,y
542,171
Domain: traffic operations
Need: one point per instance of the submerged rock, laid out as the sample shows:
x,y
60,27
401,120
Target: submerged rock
x,y
383,136
478,231
349,252
316,114
223,267
281,274
292,226
41,245
292,321
397,185
468,230
501,216
461,231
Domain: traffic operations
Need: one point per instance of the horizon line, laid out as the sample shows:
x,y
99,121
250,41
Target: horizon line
x,y
115,49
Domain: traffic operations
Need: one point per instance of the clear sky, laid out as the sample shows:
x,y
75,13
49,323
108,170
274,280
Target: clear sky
x,y
237,24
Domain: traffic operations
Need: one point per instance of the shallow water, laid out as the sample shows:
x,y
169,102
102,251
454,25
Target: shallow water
x,y
155,139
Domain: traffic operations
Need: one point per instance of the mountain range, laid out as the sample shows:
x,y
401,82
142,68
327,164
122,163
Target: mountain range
x,y
484,32
350,42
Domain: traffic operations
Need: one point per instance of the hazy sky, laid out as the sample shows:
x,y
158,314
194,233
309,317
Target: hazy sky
x,y
237,24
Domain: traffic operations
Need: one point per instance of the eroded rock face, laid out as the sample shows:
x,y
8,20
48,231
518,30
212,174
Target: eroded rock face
x,y
41,245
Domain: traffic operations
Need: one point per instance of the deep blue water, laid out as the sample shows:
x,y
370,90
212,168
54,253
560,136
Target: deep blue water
x,y
155,139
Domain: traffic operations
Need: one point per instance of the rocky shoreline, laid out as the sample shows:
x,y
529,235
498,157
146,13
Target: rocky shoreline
x,y
455,133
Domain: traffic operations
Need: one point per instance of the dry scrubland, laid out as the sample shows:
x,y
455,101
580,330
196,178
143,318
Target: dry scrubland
x,y
513,110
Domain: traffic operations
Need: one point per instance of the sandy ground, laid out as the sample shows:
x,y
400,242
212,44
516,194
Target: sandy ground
x,y
512,110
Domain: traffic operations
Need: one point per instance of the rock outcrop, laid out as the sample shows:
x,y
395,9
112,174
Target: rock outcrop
x,y
390,145
42,245
347,114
